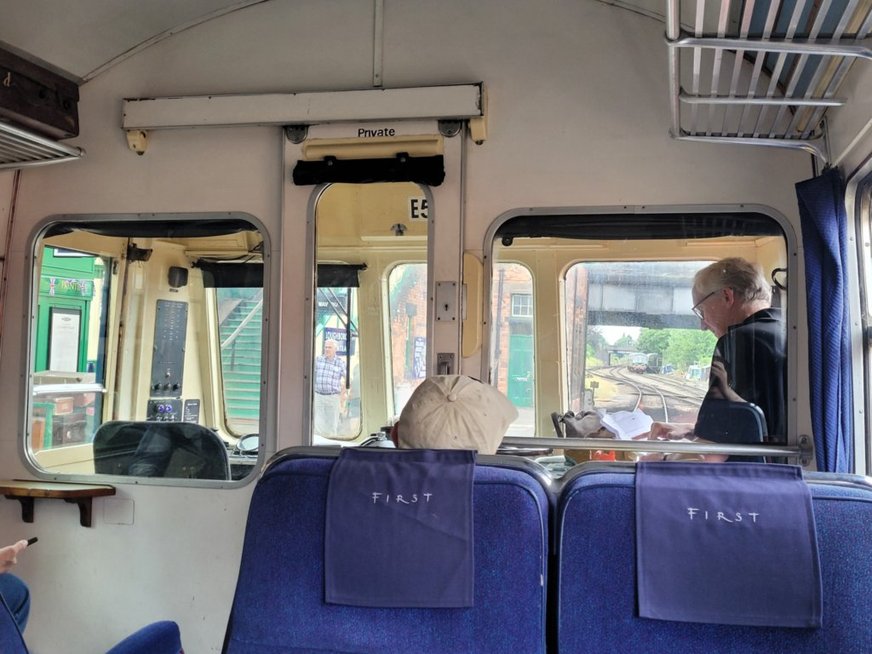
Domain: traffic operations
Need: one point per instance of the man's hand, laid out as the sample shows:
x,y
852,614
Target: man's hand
x,y
9,554
719,385
669,431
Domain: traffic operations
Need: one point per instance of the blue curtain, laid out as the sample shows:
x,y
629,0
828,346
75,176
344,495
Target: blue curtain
x,y
824,234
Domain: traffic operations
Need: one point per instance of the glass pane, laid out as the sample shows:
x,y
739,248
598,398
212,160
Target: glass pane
x,y
407,307
614,324
147,347
337,364
240,329
604,349
370,327
513,349
68,378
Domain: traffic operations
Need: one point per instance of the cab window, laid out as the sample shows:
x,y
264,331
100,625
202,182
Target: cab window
x,y
146,348
596,313
370,321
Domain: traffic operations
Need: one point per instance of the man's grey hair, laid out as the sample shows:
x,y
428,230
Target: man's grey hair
x,y
744,277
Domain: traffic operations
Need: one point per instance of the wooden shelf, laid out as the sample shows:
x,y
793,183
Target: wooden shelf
x,y
28,491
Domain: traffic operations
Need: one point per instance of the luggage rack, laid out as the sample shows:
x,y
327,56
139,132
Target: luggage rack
x,y
762,72
20,147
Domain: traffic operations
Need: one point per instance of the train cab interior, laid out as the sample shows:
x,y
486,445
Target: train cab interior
x,y
188,289
237,235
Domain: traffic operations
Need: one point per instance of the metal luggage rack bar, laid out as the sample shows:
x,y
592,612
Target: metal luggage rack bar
x,y
762,72
20,147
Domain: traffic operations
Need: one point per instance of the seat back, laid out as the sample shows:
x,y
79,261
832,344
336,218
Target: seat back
x,y
279,602
726,421
596,574
160,449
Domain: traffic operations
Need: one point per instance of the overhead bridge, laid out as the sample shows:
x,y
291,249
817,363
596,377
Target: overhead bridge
x,y
630,296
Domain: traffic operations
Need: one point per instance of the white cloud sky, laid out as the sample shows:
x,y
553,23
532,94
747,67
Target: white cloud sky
x,y
612,334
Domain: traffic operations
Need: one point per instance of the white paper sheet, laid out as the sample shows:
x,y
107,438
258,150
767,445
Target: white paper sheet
x,y
626,424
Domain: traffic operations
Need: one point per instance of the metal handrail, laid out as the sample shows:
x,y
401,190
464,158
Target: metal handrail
x,y
764,100
802,451
230,339
56,389
861,48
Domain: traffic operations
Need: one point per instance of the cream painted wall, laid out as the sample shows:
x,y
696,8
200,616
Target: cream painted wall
x,y
848,123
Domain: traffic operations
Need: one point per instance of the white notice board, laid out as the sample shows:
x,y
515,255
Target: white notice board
x,y
65,325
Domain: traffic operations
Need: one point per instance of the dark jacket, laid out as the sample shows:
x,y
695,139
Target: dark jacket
x,y
753,354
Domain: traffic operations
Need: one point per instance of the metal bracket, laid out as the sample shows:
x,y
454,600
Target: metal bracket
x,y
296,133
806,450
446,301
137,140
449,128
445,363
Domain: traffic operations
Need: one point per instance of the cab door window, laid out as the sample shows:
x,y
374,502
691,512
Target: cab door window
x,y
146,347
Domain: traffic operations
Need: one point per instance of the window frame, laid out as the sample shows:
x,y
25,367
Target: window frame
x,y
528,305
858,203
33,262
637,213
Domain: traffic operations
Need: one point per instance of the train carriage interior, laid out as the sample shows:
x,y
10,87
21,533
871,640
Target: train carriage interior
x,y
237,236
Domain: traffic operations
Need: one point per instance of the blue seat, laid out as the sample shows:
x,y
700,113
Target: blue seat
x,y
596,583
726,421
157,638
279,602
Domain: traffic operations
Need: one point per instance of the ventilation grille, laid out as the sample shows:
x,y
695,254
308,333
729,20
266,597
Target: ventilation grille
x,y
762,72
20,148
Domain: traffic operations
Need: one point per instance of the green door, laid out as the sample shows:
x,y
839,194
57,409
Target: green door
x,y
520,386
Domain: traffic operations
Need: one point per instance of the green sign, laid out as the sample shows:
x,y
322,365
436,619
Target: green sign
x,y
65,287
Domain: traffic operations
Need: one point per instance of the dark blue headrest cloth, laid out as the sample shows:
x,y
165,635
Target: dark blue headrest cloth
x,y
399,529
728,543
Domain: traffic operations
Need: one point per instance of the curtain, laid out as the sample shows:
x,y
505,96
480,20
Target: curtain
x,y
824,234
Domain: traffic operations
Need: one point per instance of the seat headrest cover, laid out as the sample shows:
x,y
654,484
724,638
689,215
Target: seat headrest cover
x,y
455,412
411,512
727,543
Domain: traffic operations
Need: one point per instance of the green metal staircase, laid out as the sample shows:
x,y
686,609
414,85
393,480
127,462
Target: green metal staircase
x,y
241,347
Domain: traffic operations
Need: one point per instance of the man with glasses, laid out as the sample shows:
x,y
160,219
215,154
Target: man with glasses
x,y
733,300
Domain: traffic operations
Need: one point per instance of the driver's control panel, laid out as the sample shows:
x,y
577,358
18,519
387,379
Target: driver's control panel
x,y
164,410
168,350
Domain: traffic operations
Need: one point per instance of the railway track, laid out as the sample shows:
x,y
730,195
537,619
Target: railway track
x,y
659,397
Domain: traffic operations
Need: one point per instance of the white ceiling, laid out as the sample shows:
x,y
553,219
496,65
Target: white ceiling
x,y
79,38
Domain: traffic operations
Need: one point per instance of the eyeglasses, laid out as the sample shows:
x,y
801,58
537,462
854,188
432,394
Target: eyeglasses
x,y
696,307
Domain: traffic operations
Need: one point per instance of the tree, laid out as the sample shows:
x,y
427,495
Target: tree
x,y
654,340
596,346
625,342
689,346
